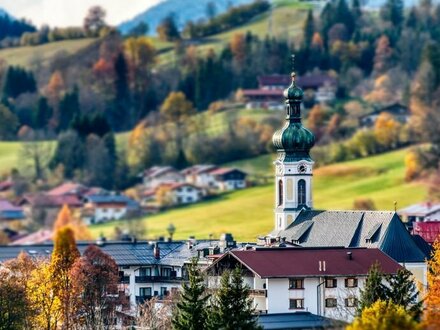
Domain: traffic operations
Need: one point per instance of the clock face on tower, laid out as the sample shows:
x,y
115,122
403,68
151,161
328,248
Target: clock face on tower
x,y
302,168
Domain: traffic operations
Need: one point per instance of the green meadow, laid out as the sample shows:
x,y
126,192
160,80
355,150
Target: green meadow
x,y
248,213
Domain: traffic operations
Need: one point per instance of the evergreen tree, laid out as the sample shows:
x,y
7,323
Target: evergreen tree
x,y
402,291
192,311
374,288
42,114
308,29
232,306
69,107
392,11
18,81
167,29
119,118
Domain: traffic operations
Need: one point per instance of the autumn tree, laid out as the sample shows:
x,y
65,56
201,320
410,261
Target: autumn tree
x,y
64,255
432,300
413,167
384,315
364,204
43,297
191,311
94,20
383,58
154,315
176,108
66,219
16,311
387,130
163,196
95,280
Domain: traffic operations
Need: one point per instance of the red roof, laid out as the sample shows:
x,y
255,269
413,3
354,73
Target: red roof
x,y
66,189
224,170
288,262
429,230
43,200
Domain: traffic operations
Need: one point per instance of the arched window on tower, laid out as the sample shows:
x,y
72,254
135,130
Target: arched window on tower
x,y
280,192
301,192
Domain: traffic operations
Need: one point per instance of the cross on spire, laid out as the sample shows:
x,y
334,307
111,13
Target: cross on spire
x,y
293,74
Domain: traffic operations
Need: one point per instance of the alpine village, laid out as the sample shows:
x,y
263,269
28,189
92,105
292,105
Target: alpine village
x,y
235,165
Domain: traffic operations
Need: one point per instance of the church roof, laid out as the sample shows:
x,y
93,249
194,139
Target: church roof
x,y
371,229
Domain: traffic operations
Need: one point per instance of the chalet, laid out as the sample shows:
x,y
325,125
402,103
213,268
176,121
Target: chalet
x,y
39,237
227,179
157,175
420,212
185,193
200,175
269,93
46,207
107,207
68,188
400,113
323,281
9,212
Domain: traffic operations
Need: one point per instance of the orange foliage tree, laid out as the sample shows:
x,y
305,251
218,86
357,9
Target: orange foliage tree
x,y
432,299
67,219
386,130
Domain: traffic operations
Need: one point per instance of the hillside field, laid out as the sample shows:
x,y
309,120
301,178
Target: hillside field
x,y
249,213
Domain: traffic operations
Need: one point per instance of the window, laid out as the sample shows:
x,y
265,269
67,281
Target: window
x,y
351,282
331,302
145,292
331,283
163,291
296,283
165,272
296,304
351,302
144,271
280,192
301,192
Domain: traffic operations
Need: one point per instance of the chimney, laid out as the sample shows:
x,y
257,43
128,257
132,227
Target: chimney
x,y
156,251
350,255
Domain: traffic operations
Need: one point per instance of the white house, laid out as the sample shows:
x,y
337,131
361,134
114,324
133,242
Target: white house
x,y
323,281
158,175
185,193
227,179
200,175
107,207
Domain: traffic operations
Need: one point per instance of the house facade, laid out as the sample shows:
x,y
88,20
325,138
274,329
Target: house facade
x,y
10,212
324,281
159,175
227,179
107,207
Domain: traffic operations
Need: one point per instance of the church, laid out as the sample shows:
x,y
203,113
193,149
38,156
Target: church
x,y
297,223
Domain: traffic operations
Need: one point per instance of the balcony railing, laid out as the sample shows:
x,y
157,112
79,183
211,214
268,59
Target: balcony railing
x,y
147,279
124,279
257,293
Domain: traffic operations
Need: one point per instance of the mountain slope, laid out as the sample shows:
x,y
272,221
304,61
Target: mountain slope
x,y
249,213
182,10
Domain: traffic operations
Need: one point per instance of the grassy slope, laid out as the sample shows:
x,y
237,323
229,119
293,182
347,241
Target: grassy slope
x,y
248,213
26,56
8,155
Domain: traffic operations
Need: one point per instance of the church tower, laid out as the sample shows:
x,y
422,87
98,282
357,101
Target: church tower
x,y
293,166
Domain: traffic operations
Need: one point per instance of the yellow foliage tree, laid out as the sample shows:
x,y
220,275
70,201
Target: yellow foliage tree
x,y
384,315
176,107
41,294
64,255
67,219
412,166
432,299
163,196
387,130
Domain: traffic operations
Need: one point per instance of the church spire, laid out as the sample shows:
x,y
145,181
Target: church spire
x,y
294,140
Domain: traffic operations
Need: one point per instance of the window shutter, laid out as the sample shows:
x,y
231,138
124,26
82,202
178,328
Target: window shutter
x,y
355,282
346,282
335,283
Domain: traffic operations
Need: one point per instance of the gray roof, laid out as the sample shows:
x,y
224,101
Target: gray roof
x,y
140,253
297,320
420,209
372,229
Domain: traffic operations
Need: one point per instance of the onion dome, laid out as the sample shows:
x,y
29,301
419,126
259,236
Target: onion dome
x,y
293,138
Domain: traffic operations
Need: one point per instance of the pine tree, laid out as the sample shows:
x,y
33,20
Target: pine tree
x,y
192,311
43,113
69,107
392,11
374,288
402,291
308,30
232,306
